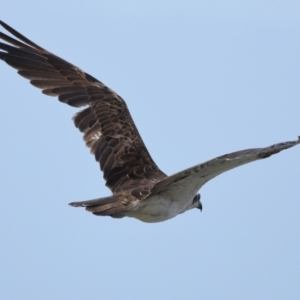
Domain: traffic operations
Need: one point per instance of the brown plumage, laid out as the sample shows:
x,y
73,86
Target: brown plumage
x,y
140,189
107,127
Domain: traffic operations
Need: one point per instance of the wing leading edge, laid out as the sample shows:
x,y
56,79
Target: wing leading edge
x,y
202,173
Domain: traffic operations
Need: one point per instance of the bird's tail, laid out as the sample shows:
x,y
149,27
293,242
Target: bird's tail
x,y
106,206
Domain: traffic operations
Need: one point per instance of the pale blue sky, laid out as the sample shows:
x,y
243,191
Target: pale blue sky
x,y
201,79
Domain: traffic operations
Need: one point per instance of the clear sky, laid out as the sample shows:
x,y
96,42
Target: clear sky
x,y
201,79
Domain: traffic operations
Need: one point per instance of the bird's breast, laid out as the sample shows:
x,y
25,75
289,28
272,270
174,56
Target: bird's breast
x,y
161,207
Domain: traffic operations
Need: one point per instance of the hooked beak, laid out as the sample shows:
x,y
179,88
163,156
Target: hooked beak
x,y
200,206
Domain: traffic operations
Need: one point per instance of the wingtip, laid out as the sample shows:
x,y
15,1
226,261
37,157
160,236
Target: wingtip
x,y
74,204
3,24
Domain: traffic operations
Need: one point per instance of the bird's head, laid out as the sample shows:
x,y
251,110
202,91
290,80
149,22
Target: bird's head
x,y
196,202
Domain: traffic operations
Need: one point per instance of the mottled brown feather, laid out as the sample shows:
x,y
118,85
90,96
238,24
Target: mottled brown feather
x,y
107,127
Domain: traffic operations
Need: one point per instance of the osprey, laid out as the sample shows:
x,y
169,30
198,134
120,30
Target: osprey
x,y
139,188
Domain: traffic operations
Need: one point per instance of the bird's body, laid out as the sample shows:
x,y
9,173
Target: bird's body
x,y
163,206
139,188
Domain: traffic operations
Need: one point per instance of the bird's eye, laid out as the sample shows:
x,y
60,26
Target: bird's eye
x,y
196,198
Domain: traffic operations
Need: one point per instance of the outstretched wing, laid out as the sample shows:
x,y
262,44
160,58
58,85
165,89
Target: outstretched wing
x,y
108,128
198,175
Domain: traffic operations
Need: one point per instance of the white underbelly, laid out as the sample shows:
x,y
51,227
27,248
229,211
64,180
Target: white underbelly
x,y
160,208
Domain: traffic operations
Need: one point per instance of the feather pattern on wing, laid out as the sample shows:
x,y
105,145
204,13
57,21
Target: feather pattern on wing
x,y
202,173
107,127
140,189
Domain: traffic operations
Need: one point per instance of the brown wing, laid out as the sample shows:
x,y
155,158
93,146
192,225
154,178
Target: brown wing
x,y
195,177
108,128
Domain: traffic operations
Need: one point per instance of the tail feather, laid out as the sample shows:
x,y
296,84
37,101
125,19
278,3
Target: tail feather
x,y
107,206
95,202
111,209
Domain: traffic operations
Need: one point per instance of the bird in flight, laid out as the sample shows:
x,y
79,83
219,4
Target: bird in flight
x,y
139,188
